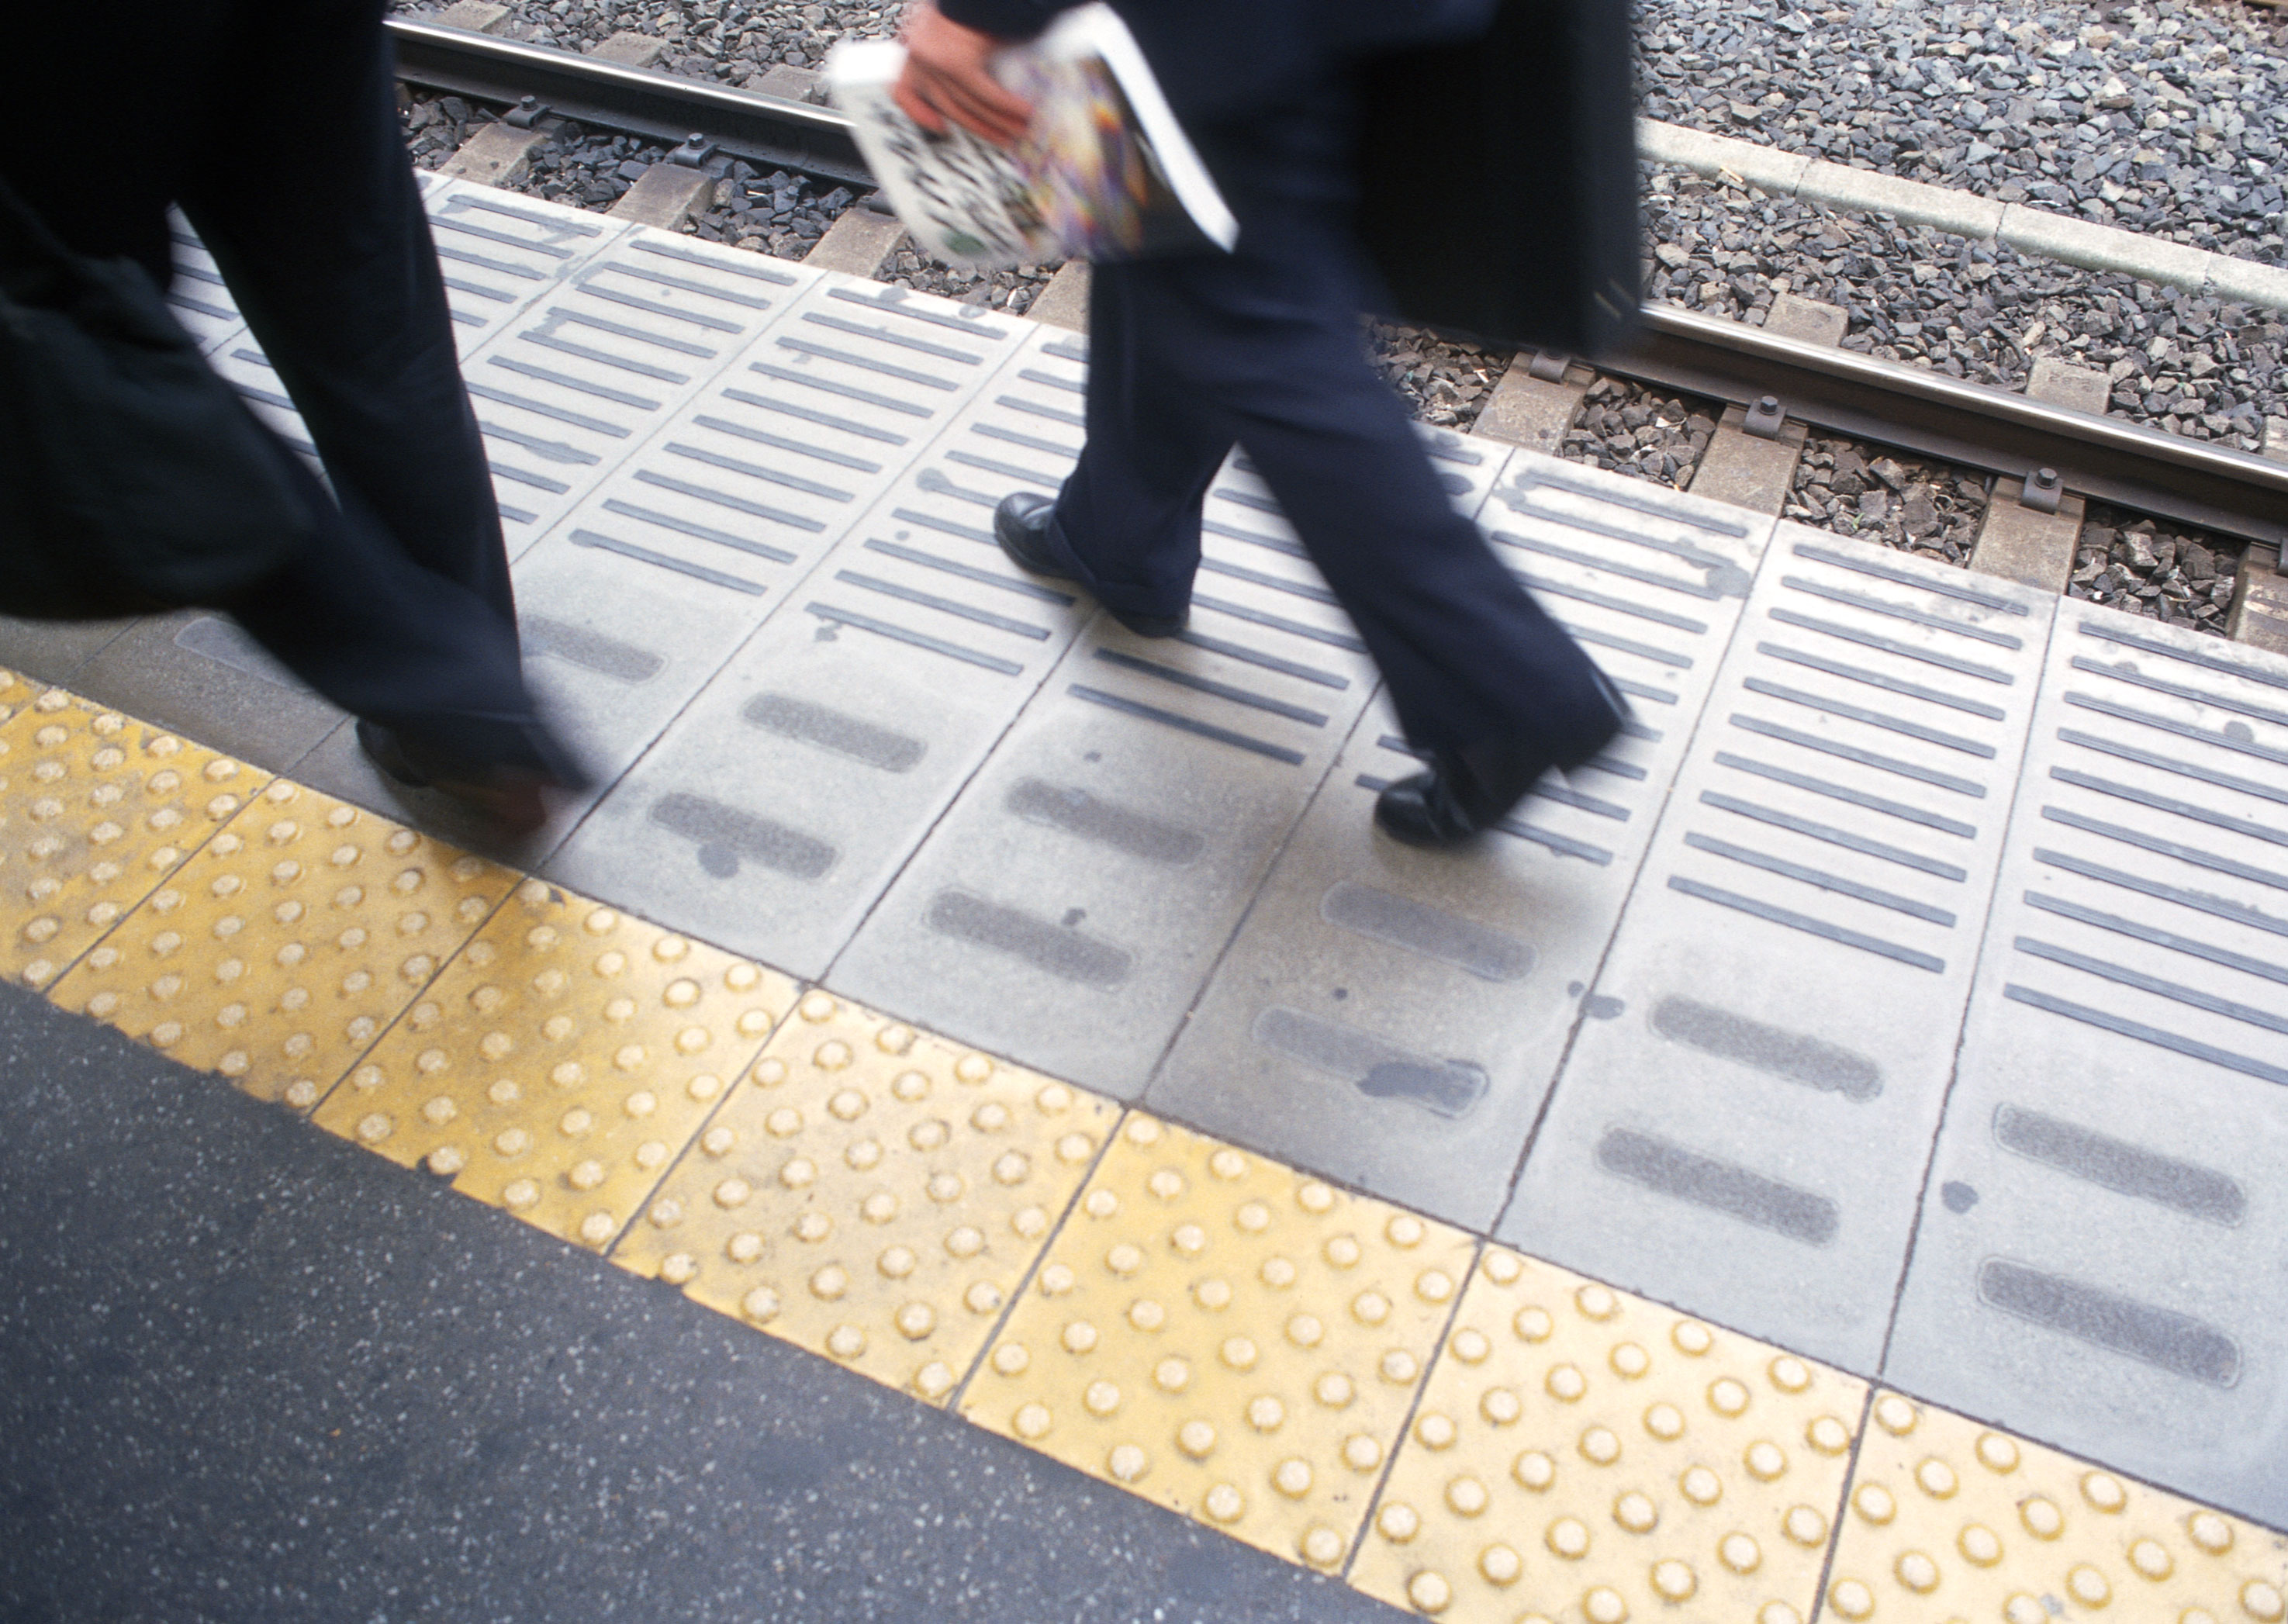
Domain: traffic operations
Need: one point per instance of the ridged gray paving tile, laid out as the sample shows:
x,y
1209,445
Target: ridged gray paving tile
x,y
789,444
1393,1018
199,298
501,251
774,810
2098,1261
1070,904
1743,1127
577,381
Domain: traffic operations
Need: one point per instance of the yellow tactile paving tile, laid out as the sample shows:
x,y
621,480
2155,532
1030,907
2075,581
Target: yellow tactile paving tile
x,y
1584,1456
98,811
1227,1336
1950,1520
279,952
871,1194
560,1061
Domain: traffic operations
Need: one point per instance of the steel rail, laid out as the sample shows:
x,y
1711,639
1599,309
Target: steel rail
x,y
1916,408
774,131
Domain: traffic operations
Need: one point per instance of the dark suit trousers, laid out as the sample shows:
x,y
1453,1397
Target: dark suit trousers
x,y
1262,347
399,608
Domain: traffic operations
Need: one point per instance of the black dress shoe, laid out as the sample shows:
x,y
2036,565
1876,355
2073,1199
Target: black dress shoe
x,y
1468,791
1020,524
505,793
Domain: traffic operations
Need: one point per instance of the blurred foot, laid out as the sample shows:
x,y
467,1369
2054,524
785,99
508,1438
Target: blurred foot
x,y
1020,524
507,790
1470,790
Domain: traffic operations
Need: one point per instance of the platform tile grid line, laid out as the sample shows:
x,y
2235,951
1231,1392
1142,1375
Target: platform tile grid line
x,y
2105,1218
1743,1126
1379,1278
1330,1031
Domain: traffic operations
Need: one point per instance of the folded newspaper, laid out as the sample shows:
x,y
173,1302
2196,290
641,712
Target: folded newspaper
x,y
1103,172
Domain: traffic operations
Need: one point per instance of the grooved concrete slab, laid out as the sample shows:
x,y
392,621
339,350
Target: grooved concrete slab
x,y
590,370
1069,905
777,808
1393,1018
1739,1131
790,441
501,251
2098,1258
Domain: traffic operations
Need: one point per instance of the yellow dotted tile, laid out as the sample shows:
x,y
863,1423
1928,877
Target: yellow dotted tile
x,y
559,1063
872,1194
281,951
1581,1456
1949,1519
95,810
1227,1336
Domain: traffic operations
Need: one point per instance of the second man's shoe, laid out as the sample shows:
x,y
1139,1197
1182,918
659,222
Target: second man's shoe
x,y
1470,790
1020,524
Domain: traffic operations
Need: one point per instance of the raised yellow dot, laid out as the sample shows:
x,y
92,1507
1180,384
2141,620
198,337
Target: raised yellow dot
x,y
1600,1446
1501,1405
2212,1534
1360,1453
1936,1478
1532,1324
1429,1592
1032,1421
2042,1517
1568,1537
1851,1598
1765,1461
1010,1359
1828,1436
1804,1526
1369,1307
917,1320
1500,1565
1566,1383
1398,1522
760,1305
1173,1375
1675,1581
1604,1606
1700,1485
1239,1353
1321,1546
1629,1360
2087,1586
934,1379
1727,1397
1895,1415
1166,1183
1979,1544
1917,1572
1227,1164
1224,1504
1100,1399
2263,1602
1466,1496
1293,1478
1997,1452
1636,1512
2103,1492
1435,1430
1740,1553
1265,1413
1665,1421
1874,1504
1534,1470
1079,1336
1398,1367
1196,1439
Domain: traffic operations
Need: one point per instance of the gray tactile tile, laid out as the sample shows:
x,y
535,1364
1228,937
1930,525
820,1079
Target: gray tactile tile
x,y
1742,1128
772,814
500,251
2099,1259
1393,1018
579,378
54,651
198,297
791,442
1069,905
198,672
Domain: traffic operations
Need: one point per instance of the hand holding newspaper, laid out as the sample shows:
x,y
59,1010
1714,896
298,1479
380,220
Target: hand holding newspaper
x,y
1103,172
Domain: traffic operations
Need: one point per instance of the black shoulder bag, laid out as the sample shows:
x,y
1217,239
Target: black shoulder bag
x,y
1498,177
132,477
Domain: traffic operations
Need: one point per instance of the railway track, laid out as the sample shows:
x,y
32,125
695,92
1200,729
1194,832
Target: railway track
x,y
2049,451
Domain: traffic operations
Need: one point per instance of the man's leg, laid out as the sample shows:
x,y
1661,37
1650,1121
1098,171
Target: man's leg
x,y
328,250
1263,347
1128,518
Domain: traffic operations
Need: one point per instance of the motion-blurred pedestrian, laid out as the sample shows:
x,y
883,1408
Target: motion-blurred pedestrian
x,y
1262,346
273,124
